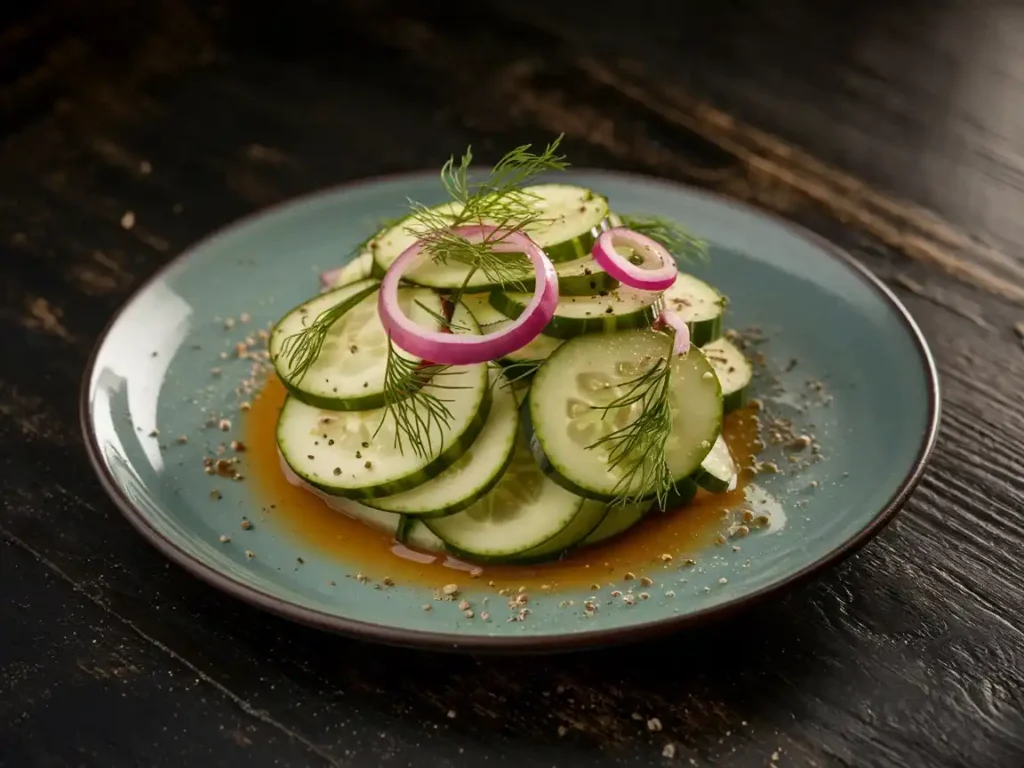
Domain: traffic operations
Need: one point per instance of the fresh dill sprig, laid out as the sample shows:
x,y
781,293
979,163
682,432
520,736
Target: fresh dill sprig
x,y
497,201
420,415
678,240
515,372
302,349
639,447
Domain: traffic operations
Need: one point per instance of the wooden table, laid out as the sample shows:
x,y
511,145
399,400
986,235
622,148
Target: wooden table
x,y
895,129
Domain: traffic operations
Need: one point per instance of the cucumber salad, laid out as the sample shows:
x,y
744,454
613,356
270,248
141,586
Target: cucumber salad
x,y
513,374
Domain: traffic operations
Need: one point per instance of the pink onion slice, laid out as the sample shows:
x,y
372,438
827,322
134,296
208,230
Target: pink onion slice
x,y
328,278
464,349
656,272
681,344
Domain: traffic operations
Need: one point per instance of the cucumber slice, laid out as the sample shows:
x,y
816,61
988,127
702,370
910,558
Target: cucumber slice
x,y
348,374
619,310
718,472
522,512
492,321
734,372
474,473
581,277
619,519
680,496
571,219
354,453
385,521
414,534
699,305
586,521
360,268
590,372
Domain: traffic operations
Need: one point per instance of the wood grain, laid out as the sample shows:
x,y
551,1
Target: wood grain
x,y
888,128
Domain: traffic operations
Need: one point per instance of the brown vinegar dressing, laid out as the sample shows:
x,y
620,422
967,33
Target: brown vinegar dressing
x,y
306,518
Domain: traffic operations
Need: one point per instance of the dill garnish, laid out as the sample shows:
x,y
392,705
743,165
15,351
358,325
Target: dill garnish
x,y
678,240
497,201
639,447
301,350
418,412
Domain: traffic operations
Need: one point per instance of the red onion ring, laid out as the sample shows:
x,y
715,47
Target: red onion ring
x,y
681,342
656,273
463,349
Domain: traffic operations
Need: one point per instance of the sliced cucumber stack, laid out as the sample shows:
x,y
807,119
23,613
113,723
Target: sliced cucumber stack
x,y
585,376
348,373
734,371
620,310
539,451
699,305
474,473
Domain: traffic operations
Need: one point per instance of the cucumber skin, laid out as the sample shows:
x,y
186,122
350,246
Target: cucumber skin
x,y
330,403
680,496
735,400
457,507
448,457
525,558
616,533
570,327
709,482
705,331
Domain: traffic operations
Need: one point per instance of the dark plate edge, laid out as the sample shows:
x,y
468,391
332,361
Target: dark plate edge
x,y
443,641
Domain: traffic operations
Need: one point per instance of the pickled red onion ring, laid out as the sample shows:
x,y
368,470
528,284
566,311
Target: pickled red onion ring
x,y
464,349
656,272
681,342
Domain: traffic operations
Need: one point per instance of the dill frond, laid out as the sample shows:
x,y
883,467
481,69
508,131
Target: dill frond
x,y
420,416
639,447
678,240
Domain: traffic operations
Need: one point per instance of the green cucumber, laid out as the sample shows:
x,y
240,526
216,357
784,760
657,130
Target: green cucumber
x,y
699,305
590,516
619,310
492,321
382,521
360,268
414,534
348,374
581,277
681,495
733,369
565,412
355,453
523,511
474,473
619,519
570,220
718,472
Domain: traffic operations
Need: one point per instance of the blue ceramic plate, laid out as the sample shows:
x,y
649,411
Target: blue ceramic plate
x,y
841,359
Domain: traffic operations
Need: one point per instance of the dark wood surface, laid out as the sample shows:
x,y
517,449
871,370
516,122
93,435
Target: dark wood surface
x,y
895,129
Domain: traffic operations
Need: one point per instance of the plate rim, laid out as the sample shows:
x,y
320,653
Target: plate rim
x,y
568,641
